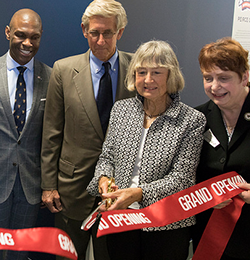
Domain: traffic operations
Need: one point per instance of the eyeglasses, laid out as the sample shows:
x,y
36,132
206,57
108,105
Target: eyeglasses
x,y
105,34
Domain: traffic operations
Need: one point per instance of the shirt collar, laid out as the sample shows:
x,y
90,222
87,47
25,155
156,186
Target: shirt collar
x,y
12,64
97,64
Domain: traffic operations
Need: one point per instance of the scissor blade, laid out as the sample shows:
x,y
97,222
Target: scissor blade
x,y
90,215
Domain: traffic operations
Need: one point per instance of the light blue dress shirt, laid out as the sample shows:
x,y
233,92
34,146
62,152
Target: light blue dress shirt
x,y
97,70
12,75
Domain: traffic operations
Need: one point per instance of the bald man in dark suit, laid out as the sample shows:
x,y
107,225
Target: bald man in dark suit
x,y
20,145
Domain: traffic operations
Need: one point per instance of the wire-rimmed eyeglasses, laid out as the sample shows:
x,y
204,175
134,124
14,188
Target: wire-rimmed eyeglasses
x,y
106,34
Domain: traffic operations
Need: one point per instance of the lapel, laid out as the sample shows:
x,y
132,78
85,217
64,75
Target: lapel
x,y
243,123
4,95
84,87
121,91
37,94
215,123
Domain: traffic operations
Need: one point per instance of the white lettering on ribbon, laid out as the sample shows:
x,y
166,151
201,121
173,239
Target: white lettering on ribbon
x,y
66,244
229,184
192,199
118,220
6,239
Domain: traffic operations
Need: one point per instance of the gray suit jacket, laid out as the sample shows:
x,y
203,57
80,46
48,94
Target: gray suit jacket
x,y
73,137
22,151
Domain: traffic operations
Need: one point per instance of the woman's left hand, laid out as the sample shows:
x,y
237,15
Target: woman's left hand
x,y
123,197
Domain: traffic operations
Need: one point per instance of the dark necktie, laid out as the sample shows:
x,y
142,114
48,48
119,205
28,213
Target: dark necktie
x,y
20,101
104,98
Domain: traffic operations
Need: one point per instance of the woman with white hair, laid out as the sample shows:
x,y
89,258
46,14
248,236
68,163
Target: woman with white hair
x,y
152,150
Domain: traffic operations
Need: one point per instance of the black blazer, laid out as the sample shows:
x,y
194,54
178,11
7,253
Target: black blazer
x,y
223,158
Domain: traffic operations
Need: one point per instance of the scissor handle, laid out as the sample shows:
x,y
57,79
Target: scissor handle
x,y
111,182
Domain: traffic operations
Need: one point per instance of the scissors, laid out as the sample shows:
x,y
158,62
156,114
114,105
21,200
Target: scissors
x,y
108,202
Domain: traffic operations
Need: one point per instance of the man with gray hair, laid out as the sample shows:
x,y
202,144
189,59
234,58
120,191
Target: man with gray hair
x,y
81,92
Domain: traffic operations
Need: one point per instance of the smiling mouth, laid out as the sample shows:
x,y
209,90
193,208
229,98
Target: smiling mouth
x,y
153,88
25,52
219,95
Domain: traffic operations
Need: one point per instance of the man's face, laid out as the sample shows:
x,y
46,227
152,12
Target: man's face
x,y
24,34
103,46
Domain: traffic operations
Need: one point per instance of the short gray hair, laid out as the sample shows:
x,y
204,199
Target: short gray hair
x,y
106,8
156,53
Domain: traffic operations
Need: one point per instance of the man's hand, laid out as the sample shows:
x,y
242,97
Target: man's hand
x,y
51,199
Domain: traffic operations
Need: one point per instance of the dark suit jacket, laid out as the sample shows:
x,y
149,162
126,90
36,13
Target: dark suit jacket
x,y
234,156
73,137
22,151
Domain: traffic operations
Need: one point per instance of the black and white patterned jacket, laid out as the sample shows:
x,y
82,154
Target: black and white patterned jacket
x,y
170,156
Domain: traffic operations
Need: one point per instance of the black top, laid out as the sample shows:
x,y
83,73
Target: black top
x,y
226,157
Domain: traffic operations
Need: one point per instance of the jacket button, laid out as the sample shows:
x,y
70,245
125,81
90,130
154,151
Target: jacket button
x,y
19,142
222,160
14,164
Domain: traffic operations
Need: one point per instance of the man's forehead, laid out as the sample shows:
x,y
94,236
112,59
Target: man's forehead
x,y
102,21
25,20
24,25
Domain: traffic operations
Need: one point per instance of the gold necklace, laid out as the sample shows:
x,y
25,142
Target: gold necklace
x,y
231,128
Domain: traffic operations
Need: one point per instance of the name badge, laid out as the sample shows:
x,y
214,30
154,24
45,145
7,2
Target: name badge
x,y
210,138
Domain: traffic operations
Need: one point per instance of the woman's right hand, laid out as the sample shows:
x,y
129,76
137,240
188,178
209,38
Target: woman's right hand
x,y
122,198
106,185
103,185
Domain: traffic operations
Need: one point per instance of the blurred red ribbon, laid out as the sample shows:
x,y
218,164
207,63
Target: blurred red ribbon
x,y
44,239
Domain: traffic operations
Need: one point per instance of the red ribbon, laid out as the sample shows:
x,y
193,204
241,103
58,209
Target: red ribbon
x,y
173,208
182,205
48,240
218,231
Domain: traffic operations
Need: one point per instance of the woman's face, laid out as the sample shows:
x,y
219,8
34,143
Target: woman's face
x,y
151,83
225,88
